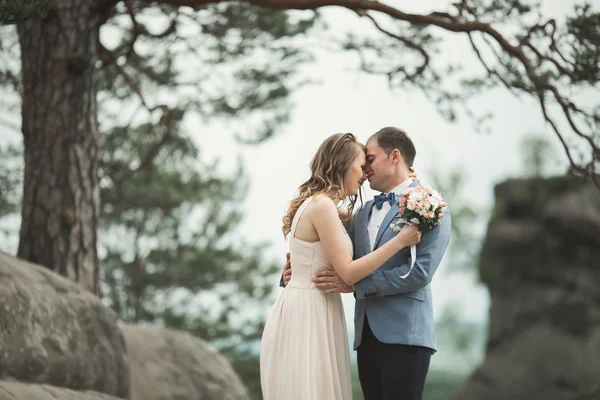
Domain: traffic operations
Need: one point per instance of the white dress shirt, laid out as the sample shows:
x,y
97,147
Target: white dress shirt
x,y
378,215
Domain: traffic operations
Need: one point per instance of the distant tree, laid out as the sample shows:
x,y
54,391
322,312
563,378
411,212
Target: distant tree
x,y
170,249
168,242
465,240
12,11
461,258
152,66
537,155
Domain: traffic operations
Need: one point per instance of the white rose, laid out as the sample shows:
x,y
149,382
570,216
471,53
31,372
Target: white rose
x,y
416,196
438,196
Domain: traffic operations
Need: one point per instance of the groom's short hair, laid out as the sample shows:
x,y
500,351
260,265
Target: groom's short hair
x,y
391,138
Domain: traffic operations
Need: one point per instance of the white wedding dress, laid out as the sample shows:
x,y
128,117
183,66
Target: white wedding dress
x,y
304,351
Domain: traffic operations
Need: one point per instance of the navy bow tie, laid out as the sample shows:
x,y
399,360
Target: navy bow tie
x,y
382,198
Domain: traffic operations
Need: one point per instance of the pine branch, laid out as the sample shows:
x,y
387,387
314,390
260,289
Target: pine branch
x,y
408,43
535,84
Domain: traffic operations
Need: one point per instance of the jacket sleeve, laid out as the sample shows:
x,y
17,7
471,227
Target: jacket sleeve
x,y
429,255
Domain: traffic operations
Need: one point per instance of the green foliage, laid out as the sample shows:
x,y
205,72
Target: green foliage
x,y
172,256
11,172
169,220
465,240
501,9
357,393
9,71
584,28
168,242
553,61
13,11
169,250
247,367
457,335
228,62
442,385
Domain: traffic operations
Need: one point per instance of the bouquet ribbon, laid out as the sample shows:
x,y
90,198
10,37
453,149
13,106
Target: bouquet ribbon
x,y
413,248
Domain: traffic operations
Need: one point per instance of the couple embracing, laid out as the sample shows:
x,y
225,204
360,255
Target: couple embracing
x,y
304,348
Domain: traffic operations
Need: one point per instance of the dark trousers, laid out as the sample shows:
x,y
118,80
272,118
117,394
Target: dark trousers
x,y
391,371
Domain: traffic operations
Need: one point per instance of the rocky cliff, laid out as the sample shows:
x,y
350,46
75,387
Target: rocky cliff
x,y
541,263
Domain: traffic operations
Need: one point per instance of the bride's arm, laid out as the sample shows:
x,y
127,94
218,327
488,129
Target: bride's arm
x,y
325,219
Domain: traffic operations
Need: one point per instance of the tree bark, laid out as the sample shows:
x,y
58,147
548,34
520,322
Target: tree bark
x,y
61,197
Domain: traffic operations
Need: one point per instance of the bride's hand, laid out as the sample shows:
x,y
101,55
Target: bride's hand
x,y
409,235
413,175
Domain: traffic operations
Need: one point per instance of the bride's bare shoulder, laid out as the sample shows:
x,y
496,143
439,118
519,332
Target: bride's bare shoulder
x,y
323,204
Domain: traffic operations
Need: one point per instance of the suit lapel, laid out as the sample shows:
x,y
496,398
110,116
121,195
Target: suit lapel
x,y
385,224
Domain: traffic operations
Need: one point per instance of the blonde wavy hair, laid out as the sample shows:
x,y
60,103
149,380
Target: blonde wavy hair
x,y
328,168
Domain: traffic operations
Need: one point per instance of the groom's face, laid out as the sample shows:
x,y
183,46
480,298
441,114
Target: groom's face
x,y
380,168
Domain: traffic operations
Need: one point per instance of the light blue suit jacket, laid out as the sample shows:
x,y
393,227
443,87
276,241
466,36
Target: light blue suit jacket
x,y
399,310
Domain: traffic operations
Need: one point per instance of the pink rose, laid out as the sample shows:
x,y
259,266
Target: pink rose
x,y
401,210
440,216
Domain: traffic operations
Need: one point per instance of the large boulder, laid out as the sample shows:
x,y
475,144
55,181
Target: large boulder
x,y
541,263
32,391
54,332
171,365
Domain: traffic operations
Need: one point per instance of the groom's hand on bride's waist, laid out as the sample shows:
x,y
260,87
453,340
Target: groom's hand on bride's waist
x,y
330,282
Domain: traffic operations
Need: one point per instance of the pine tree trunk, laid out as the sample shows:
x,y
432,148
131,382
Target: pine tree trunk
x,y
61,198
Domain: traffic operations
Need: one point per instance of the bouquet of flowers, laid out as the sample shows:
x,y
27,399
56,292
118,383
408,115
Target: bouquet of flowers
x,y
422,206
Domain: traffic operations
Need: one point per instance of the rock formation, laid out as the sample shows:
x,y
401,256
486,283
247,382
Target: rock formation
x,y
54,332
59,342
541,263
167,364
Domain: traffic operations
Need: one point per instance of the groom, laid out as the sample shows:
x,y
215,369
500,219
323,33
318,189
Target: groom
x,y
393,321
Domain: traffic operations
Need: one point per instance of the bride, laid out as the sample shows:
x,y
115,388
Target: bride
x,y
304,351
